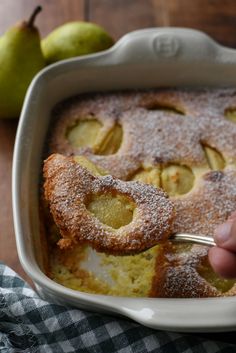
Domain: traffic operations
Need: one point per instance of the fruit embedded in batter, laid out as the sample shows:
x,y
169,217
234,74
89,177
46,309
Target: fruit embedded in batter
x,y
230,114
177,179
114,211
148,175
153,102
89,133
84,133
86,163
111,215
111,142
214,158
205,271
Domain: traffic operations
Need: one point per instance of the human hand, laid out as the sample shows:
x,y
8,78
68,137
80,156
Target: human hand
x,y
223,256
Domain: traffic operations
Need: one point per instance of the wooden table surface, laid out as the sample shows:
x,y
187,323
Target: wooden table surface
x,y
215,17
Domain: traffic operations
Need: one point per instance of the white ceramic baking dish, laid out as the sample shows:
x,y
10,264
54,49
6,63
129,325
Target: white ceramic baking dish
x,y
141,59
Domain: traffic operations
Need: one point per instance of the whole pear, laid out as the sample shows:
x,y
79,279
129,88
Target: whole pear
x,y
75,39
20,59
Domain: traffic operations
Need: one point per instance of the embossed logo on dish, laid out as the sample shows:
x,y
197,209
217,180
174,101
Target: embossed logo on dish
x,y
165,45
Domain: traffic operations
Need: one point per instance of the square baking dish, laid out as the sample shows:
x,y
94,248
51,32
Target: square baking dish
x,y
142,59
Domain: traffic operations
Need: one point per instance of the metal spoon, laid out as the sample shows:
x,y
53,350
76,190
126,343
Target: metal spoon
x,y
192,238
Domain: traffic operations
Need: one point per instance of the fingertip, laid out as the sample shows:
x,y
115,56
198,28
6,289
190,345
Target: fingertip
x,y
232,217
223,262
225,235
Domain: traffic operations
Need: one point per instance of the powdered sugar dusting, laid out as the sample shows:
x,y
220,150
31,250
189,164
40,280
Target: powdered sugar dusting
x,y
68,186
153,135
158,137
208,205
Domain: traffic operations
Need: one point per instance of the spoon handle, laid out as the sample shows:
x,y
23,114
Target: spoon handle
x,y
193,238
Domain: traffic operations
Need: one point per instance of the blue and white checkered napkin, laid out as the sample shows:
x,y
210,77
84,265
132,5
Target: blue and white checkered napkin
x,y
29,324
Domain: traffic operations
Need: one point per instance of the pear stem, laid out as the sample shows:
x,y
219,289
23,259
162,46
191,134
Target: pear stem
x,y
31,20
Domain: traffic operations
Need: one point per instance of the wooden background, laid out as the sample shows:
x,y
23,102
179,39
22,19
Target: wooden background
x,y
215,17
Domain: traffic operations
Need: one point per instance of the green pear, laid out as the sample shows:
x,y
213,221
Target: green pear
x,y
20,59
75,39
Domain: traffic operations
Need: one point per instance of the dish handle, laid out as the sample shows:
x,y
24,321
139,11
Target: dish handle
x,y
172,44
186,315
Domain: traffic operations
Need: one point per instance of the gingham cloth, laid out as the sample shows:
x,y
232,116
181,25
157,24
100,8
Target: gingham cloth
x,y
29,324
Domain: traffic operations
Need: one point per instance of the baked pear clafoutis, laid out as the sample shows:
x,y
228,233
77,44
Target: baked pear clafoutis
x,y
182,141
111,215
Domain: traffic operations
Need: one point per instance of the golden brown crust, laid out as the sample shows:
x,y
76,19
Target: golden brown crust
x,y
68,187
154,136
178,274
209,204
